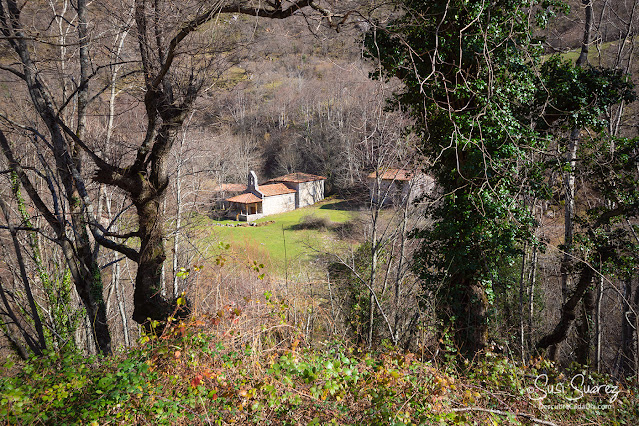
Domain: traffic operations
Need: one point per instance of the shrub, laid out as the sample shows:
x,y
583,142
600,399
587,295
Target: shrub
x,y
232,367
313,222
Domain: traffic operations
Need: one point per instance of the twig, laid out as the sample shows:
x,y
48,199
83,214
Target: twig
x,y
506,413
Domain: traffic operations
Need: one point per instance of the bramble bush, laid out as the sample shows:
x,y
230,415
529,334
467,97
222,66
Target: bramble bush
x,y
247,366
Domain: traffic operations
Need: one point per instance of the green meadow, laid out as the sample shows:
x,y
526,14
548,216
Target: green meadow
x,y
283,240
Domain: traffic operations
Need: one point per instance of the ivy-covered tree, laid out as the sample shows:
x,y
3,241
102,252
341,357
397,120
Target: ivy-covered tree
x,y
467,69
572,98
483,101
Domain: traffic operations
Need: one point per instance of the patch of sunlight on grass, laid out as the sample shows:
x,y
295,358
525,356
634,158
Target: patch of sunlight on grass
x,y
595,54
283,244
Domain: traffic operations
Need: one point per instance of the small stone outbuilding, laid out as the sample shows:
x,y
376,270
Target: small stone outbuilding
x,y
397,186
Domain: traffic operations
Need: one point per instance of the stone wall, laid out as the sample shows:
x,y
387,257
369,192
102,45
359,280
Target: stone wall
x,y
278,204
389,192
309,193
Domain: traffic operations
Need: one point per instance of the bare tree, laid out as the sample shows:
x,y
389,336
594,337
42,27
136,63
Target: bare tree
x,y
78,249
174,59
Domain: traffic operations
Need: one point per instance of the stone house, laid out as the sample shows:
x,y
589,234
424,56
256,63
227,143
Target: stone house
x,y
397,186
309,189
278,195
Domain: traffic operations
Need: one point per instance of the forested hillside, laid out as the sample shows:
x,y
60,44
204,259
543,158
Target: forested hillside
x,y
497,281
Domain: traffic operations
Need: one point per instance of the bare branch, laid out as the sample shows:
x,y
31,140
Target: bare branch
x,y
28,186
13,71
102,164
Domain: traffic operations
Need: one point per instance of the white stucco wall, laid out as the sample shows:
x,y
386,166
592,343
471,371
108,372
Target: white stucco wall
x,y
310,193
278,204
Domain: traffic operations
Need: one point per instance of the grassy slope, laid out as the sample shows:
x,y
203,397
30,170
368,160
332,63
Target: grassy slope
x,y
278,242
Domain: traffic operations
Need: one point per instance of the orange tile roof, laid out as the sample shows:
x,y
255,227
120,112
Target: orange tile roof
x,y
297,178
246,198
394,174
274,189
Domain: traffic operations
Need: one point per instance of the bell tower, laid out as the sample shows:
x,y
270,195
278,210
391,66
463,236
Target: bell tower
x,y
252,181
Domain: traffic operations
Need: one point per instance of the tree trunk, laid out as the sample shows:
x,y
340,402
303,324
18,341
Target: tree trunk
x,y
163,271
569,212
569,184
147,298
598,325
522,291
627,332
568,314
470,324
400,265
477,319
89,288
584,328
178,215
585,43
635,316
531,297
375,208
373,277
119,296
89,341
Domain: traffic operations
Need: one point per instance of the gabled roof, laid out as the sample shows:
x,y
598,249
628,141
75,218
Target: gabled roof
x,y
266,190
247,198
275,189
394,174
297,178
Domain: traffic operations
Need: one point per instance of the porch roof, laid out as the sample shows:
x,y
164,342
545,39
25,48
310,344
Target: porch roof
x,y
246,198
